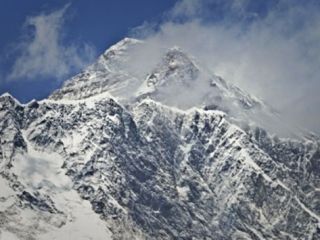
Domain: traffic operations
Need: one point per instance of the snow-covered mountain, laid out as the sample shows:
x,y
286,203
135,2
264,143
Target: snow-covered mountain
x,y
169,81
169,151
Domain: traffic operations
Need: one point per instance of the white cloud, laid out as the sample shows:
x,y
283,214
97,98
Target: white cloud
x,y
42,52
189,8
273,54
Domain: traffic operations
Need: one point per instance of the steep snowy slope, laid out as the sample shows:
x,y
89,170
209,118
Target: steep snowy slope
x,y
110,73
91,162
175,79
176,73
37,198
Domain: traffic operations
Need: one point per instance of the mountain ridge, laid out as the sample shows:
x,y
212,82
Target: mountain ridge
x,y
145,169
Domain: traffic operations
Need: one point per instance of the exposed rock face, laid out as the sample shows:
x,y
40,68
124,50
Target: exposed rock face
x,y
147,169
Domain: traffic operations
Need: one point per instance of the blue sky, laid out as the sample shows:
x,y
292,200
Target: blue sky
x,y
97,23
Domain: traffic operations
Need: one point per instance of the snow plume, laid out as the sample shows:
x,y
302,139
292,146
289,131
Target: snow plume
x,y
42,52
271,49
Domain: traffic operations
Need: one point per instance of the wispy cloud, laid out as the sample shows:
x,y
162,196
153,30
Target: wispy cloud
x,y
42,53
269,48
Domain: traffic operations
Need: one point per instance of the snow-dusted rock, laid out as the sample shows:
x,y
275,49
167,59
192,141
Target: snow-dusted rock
x,y
91,163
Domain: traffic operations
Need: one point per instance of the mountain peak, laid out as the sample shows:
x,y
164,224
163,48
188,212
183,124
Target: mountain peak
x,y
175,69
122,45
8,97
175,79
176,58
